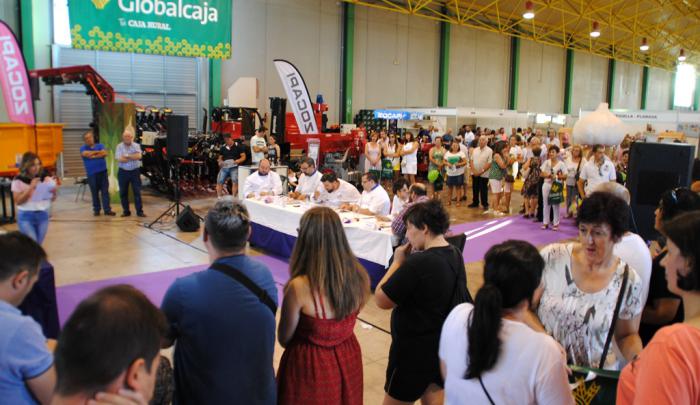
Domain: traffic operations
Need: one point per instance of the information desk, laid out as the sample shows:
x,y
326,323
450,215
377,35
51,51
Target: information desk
x,y
275,222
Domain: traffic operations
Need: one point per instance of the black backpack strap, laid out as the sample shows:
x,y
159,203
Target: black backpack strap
x,y
618,305
238,275
483,387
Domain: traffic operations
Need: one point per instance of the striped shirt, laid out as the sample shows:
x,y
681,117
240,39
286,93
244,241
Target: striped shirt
x,y
123,150
398,227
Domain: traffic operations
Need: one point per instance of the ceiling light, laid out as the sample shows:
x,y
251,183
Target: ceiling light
x,y
595,32
644,46
529,11
681,56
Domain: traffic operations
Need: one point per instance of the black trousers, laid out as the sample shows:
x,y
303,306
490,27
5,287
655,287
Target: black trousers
x,y
540,204
480,189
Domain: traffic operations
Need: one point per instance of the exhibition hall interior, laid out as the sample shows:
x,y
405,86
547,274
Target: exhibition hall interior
x,y
349,202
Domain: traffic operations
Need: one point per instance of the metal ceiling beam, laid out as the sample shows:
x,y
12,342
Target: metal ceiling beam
x,y
622,32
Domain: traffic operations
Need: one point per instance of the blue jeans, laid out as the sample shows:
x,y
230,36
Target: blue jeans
x,y
99,186
227,172
133,178
33,224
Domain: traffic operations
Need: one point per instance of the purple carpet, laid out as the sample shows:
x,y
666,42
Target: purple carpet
x,y
154,285
480,237
484,234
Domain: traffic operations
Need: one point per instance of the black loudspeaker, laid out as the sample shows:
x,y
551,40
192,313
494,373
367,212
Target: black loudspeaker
x,y
187,221
177,135
653,169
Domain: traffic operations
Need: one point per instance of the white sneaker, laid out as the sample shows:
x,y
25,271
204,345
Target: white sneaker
x,y
488,211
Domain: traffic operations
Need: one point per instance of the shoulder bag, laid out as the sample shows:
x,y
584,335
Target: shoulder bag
x,y
238,275
602,388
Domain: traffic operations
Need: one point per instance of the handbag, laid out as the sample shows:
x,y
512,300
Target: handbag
x,y
597,386
556,193
237,275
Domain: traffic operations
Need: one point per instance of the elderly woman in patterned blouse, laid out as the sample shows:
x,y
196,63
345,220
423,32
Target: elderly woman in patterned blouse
x,y
582,282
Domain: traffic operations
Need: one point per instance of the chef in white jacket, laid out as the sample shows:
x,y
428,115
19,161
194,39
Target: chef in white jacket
x,y
309,182
335,192
374,199
263,182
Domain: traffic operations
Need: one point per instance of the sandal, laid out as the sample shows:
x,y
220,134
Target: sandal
x,y
555,227
458,205
545,226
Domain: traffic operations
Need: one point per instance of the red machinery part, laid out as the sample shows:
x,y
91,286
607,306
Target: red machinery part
x,y
84,74
330,142
234,128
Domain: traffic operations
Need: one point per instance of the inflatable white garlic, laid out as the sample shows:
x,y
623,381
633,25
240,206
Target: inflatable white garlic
x,y
599,127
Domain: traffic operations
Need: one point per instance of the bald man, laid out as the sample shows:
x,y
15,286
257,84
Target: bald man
x,y
263,182
128,156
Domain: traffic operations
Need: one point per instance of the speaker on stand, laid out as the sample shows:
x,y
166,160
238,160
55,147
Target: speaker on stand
x,y
176,148
653,169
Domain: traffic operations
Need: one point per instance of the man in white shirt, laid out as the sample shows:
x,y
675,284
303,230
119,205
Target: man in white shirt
x,y
374,199
263,182
463,147
468,136
552,138
258,146
335,192
596,171
479,166
631,248
309,182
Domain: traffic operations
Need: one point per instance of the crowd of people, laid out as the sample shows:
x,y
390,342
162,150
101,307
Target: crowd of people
x,y
604,300
553,171
537,312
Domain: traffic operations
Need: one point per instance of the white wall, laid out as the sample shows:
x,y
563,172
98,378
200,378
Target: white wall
x,y
304,32
541,80
589,81
659,89
479,69
628,86
396,60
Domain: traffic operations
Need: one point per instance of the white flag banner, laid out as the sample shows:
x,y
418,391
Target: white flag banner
x,y
298,96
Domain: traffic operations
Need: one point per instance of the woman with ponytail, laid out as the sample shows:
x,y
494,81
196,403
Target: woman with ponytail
x,y
487,352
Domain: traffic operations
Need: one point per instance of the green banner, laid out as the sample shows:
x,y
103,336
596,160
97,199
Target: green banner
x,y
195,28
113,119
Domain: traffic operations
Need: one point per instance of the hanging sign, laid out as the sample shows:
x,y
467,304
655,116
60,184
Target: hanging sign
x,y
398,115
298,96
194,28
14,79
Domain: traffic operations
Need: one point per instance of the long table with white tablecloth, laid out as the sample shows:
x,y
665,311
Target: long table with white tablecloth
x,y
275,222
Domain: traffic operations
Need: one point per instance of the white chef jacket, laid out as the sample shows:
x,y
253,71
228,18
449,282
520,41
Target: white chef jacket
x,y
256,184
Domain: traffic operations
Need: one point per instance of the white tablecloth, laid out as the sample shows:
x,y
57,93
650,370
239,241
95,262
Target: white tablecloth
x,y
368,239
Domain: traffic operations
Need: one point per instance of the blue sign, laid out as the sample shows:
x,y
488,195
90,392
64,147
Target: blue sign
x,y
397,115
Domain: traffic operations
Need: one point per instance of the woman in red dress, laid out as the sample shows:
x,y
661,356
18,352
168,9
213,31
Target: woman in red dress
x,y
322,363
